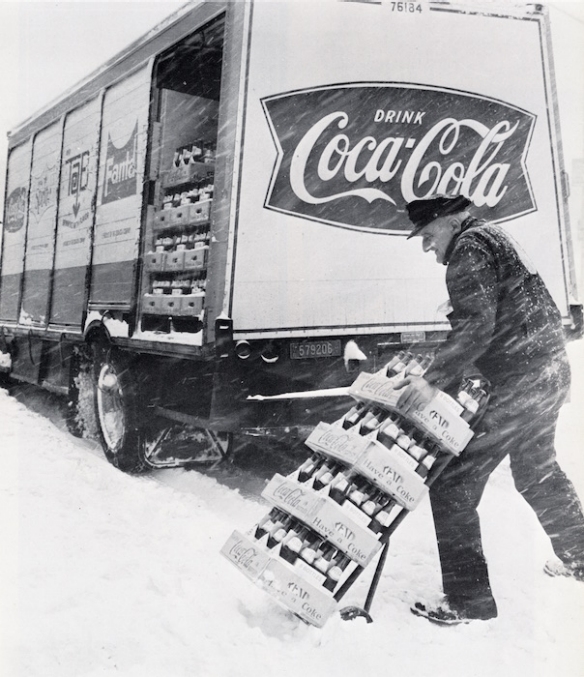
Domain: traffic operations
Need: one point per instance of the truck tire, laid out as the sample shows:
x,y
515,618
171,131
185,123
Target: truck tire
x,y
117,412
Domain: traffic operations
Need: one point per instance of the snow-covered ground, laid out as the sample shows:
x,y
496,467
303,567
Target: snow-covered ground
x,y
104,574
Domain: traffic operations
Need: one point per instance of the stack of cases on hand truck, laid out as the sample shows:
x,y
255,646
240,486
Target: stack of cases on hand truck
x,y
365,469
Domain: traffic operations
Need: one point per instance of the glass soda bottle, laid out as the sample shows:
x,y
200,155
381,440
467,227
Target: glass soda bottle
x,y
333,575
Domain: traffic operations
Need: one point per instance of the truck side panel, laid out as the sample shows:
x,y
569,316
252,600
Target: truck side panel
x,y
119,194
338,138
14,238
42,212
76,213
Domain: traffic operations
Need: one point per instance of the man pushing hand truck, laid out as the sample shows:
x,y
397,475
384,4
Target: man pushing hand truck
x,y
505,324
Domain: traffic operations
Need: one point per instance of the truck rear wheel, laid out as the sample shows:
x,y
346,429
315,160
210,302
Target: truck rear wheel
x,y
117,411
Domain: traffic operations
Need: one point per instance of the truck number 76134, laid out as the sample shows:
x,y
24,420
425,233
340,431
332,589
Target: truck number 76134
x,y
410,7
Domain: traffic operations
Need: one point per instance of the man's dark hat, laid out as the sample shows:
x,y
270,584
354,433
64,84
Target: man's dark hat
x,y
423,212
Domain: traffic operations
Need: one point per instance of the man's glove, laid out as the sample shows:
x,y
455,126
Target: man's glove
x,y
417,393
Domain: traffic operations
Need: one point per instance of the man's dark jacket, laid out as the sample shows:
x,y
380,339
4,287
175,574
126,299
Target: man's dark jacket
x,y
504,320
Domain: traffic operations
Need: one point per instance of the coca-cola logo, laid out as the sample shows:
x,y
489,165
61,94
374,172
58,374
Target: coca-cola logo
x,y
354,155
289,495
15,210
243,554
334,441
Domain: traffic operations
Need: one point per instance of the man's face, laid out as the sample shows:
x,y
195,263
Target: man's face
x,y
436,237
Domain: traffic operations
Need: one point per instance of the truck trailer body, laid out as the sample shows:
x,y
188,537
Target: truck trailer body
x,y
218,213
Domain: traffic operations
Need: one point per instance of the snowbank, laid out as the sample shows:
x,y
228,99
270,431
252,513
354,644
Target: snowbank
x,y
106,574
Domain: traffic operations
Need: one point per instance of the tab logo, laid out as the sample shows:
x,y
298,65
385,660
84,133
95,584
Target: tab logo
x,y
353,155
77,178
121,168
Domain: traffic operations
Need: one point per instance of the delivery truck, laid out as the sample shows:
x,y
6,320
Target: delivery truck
x,y
215,219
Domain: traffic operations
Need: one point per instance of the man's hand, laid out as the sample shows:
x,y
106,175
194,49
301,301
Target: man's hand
x,y
417,392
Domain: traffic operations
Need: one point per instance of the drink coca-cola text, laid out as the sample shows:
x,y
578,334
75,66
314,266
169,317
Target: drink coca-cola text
x,y
482,180
354,155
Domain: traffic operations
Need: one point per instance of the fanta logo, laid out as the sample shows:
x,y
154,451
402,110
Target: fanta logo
x,y
121,169
353,156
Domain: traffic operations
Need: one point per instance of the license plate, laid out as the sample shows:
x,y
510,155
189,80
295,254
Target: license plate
x,y
413,336
310,349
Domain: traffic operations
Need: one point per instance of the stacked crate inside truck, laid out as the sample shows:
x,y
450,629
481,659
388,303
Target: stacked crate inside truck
x,y
367,471
177,260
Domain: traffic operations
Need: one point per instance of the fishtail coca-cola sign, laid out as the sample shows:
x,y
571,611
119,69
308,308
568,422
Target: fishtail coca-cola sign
x,y
353,155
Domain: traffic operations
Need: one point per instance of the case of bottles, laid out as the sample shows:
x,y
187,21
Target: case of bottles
x,y
176,262
330,517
